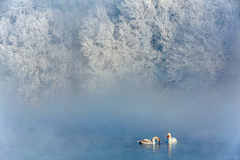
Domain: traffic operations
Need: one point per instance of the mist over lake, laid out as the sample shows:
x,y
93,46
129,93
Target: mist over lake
x,y
84,79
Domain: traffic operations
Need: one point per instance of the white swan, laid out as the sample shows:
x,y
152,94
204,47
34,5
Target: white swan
x,y
148,141
171,139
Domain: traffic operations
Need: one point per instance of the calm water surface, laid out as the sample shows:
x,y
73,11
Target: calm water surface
x,y
185,149
103,144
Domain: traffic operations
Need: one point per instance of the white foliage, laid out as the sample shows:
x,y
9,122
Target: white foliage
x,y
98,47
37,59
141,42
136,32
191,37
116,60
196,54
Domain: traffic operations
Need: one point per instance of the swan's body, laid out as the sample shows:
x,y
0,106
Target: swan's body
x,y
171,139
148,141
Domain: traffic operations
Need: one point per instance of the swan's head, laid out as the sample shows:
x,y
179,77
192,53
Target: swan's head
x,y
157,138
168,135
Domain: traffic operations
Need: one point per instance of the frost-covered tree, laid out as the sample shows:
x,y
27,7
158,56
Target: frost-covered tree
x,y
198,47
182,42
99,50
136,26
193,37
51,47
32,52
119,53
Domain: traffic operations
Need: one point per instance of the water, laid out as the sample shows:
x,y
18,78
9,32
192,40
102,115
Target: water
x,y
109,129
82,143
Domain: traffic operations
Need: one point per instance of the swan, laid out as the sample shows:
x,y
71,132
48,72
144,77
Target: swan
x,y
148,141
171,139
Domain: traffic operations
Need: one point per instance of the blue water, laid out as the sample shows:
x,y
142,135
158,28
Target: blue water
x,y
105,133
105,144
184,149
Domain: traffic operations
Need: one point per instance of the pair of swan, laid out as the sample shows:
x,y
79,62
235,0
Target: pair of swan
x,y
170,139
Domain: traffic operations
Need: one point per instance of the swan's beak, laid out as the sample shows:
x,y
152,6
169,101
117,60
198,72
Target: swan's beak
x,y
167,137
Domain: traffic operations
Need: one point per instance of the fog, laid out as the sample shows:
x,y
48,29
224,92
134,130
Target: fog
x,y
75,71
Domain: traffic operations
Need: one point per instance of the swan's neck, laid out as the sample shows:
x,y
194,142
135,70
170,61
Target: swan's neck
x,y
153,140
170,137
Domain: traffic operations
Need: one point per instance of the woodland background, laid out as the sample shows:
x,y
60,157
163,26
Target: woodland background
x,y
67,48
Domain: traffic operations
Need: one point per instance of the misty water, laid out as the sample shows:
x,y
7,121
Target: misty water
x,y
108,127
97,145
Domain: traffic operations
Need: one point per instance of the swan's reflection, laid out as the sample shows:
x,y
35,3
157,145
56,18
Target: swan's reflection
x,y
154,147
169,146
